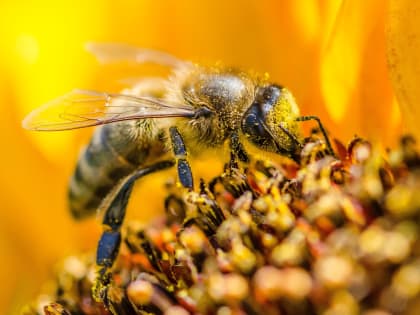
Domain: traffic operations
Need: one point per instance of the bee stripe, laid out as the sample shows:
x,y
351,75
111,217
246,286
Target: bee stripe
x,y
114,151
99,167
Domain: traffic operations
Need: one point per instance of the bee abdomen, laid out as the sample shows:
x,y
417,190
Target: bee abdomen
x,y
112,154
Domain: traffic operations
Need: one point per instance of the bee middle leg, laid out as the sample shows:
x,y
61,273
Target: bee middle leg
x,y
110,240
180,153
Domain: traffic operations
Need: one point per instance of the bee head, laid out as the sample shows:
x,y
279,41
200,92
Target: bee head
x,y
269,123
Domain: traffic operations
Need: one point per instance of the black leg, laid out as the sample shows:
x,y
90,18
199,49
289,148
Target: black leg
x,y
237,152
321,127
291,136
180,152
115,207
237,148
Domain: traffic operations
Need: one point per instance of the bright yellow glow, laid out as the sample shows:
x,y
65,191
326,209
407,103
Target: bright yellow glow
x,y
309,16
340,67
46,59
27,47
354,76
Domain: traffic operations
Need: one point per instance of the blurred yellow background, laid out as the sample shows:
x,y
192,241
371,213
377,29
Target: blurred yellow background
x,y
331,54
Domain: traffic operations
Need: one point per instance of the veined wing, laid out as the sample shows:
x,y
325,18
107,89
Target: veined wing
x,y
113,52
81,108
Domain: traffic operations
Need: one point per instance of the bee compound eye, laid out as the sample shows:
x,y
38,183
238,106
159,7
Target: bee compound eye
x,y
253,125
271,94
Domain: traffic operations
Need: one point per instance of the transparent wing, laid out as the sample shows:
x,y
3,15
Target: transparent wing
x,y
113,52
81,108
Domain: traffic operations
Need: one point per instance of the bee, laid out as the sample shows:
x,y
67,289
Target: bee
x,y
158,123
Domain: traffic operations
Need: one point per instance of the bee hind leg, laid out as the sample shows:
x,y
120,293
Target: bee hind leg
x,y
180,153
110,240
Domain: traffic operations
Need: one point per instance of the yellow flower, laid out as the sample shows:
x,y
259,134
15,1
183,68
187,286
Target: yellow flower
x,y
330,54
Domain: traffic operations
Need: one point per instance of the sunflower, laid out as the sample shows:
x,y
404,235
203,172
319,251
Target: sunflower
x,y
354,64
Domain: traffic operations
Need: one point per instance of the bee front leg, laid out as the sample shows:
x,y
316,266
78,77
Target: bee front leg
x,y
109,243
321,127
180,153
237,151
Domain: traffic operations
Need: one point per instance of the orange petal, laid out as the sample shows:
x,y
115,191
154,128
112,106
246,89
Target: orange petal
x,y
354,75
403,56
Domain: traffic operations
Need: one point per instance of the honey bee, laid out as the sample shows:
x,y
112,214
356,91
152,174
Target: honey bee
x,y
196,108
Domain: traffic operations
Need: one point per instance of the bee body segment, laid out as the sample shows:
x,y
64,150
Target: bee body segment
x,y
114,151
